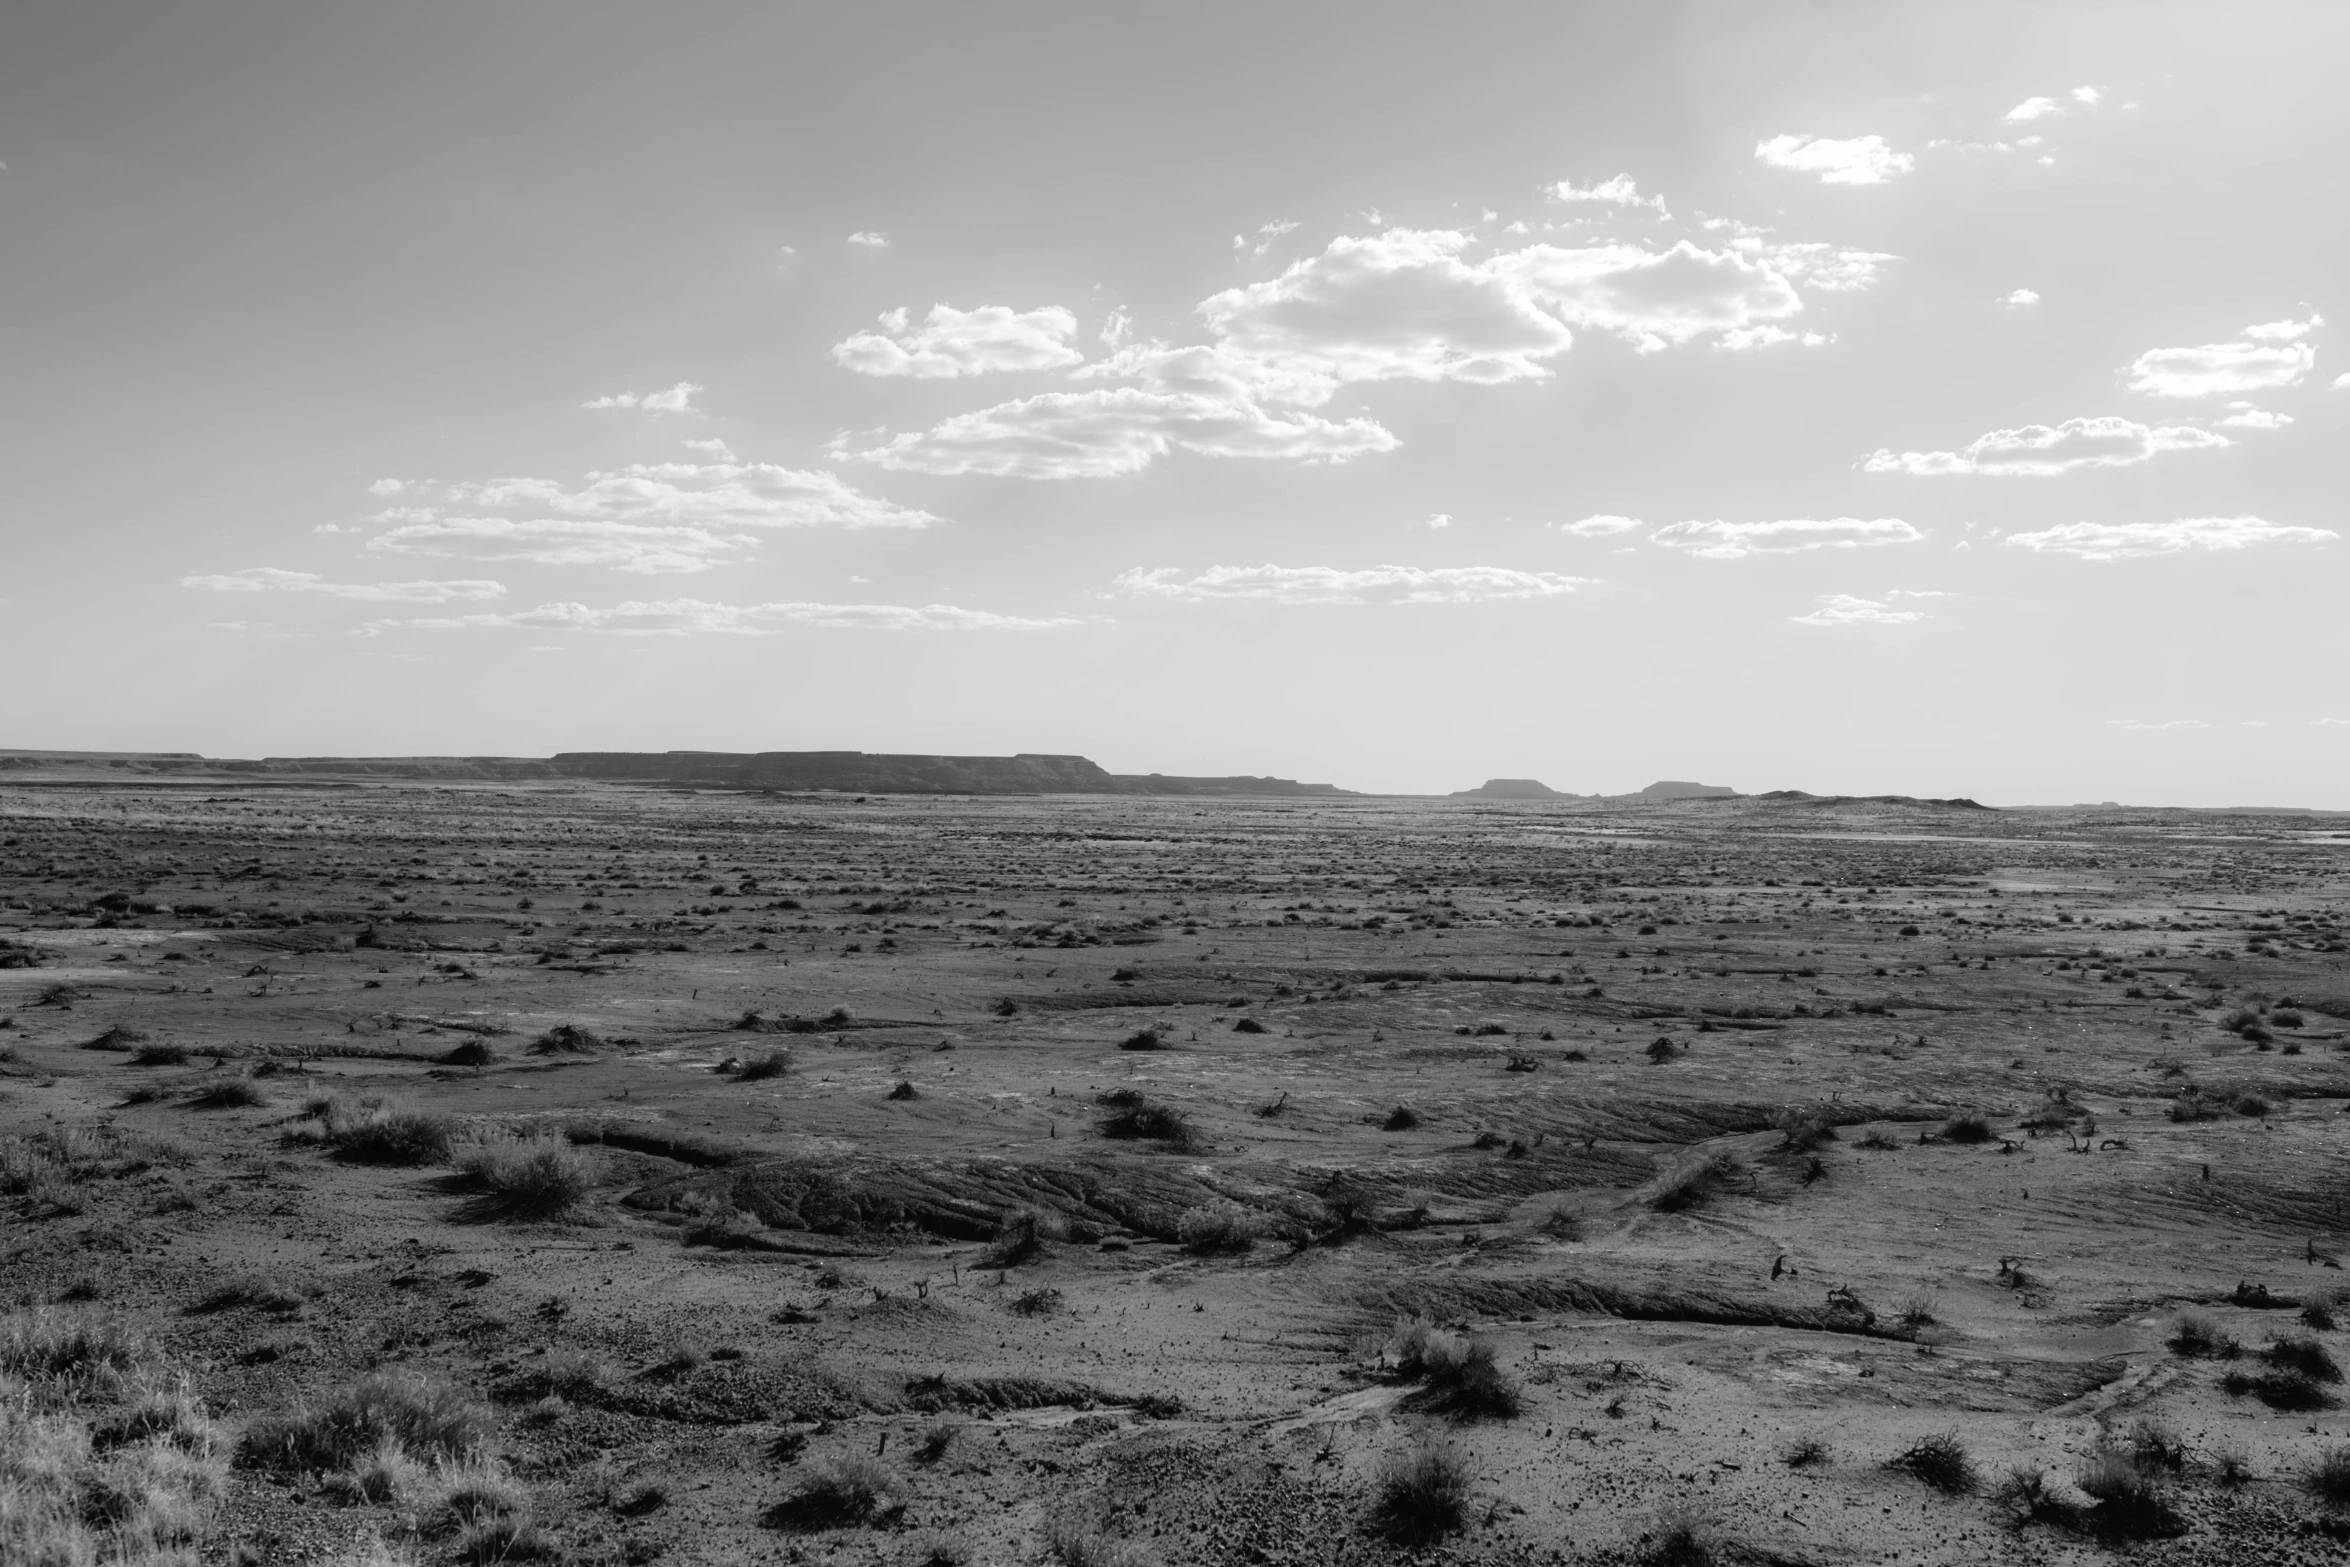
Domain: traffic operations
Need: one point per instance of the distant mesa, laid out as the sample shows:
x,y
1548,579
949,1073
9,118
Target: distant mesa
x,y
1798,797
853,772
1513,789
1671,790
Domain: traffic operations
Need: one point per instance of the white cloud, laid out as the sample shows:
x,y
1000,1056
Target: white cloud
x,y
2330,723
1401,305
1859,160
2271,356
2174,723
268,579
1736,540
1117,326
259,630
692,617
952,343
1920,593
2341,383
1842,609
2040,450
1617,192
1268,234
567,541
1598,527
2091,96
2129,540
2020,299
1442,519
1099,434
2243,416
1331,585
871,239
678,399
706,495
2033,109
713,446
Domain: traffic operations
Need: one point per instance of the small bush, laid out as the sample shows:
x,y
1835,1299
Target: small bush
x,y
513,1539
2304,1355
1071,1544
2318,1314
69,1354
1038,1302
2199,1336
1147,1039
1662,1050
160,1055
1940,1461
1917,1309
1218,1227
1424,1494
774,1063
471,1053
1402,1118
839,1492
2328,1478
1803,1131
2286,1390
1878,1142
1151,1122
2155,1445
1808,1452
1967,1129
232,1093
565,1039
426,1418
1683,1537
525,1177
1020,1237
381,1133
1463,1380
904,1090
2131,1504
938,1441
1694,1185
1248,1025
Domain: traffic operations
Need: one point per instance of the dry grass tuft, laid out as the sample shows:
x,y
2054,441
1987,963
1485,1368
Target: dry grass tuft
x,y
1940,1461
377,1131
425,1418
1694,1185
1218,1227
839,1492
540,1177
1423,1495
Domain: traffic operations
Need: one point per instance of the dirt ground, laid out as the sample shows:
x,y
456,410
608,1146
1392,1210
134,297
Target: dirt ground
x,y
1667,1107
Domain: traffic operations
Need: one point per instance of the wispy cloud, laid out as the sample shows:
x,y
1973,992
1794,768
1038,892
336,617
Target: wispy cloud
x,y
1843,609
549,541
703,495
1334,585
2173,723
2270,355
952,343
1858,160
1598,526
2040,450
2019,299
2130,540
269,579
2244,416
1268,235
698,617
1737,540
871,239
678,399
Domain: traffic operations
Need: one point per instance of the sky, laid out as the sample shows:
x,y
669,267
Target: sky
x,y
1928,399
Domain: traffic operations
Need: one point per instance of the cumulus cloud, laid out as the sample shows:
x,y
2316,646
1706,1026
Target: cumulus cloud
x,y
1598,526
1402,305
1859,160
952,343
2244,416
2040,450
2173,723
1842,609
871,239
713,447
704,495
268,579
2129,540
1332,585
1617,192
2020,299
692,617
1268,234
678,399
1736,540
2033,109
549,541
2269,355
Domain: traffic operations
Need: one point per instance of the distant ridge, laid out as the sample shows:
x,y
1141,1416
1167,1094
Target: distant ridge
x,y
857,772
1512,789
1670,790
1798,797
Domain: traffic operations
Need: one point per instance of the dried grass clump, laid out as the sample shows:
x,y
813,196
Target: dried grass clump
x,y
2328,1478
230,1093
68,1498
69,1356
2197,1335
1803,1131
774,1063
1969,1128
1152,1122
839,1492
1941,1461
1459,1375
537,1177
378,1131
1221,1227
566,1039
2304,1355
2132,1502
424,1418
1423,1495
1072,1544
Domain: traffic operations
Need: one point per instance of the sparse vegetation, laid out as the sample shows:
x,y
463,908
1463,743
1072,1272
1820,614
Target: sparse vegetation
x,y
1968,1128
840,1492
377,1131
1218,1228
2328,1476
426,1419
1940,1461
539,1177
2197,1335
1694,1185
1423,1495
1153,1122
770,1063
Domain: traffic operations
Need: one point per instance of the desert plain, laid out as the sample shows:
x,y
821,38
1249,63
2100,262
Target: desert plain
x,y
409,1171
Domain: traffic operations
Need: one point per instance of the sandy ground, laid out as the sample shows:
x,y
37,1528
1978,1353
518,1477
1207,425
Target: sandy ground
x,y
778,1272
